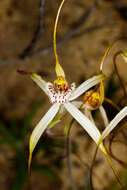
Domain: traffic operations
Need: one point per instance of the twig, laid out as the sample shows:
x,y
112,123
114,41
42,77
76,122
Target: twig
x,y
67,37
50,47
38,30
83,19
74,33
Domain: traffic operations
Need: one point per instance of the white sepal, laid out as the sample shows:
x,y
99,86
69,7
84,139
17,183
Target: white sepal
x,y
39,81
77,103
42,125
86,86
114,122
84,122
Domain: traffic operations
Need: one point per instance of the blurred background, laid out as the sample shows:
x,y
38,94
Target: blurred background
x,y
84,32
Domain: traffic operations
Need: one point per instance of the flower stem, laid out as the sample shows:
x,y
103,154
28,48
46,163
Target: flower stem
x,y
68,158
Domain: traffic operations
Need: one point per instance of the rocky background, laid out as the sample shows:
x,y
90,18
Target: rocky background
x,y
84,32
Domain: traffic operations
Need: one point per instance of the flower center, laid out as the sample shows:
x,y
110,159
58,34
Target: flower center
x,y
60,84
58,95
92,100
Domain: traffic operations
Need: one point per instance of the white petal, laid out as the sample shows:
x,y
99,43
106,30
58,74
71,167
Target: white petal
x,y
77,103
115,121
39,81
86,85
104,115
83,121
42,125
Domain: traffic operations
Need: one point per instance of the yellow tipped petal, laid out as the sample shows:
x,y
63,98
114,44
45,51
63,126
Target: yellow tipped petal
x,y
91,129
39,129
29,163
114,122
87,85
39,81
124,56
109,161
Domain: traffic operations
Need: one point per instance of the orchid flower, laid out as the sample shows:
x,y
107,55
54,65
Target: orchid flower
x,y
62,96
93,100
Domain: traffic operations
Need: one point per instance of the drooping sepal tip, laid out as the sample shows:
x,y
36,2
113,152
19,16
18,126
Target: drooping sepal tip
x,y
29,164
100,144
31,148
34,75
